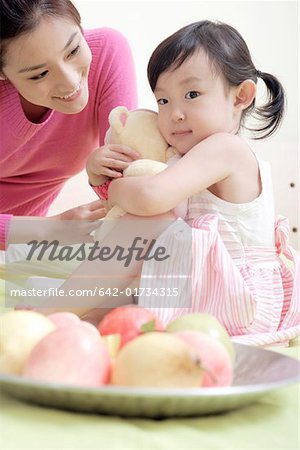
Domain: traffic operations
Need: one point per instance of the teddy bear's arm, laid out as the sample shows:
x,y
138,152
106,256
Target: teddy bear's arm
x,y
142,167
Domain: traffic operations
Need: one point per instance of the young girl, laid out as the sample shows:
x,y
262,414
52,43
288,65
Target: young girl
x,y
226,255
58,84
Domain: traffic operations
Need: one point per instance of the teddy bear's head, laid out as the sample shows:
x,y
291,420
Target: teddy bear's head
x,y
137,129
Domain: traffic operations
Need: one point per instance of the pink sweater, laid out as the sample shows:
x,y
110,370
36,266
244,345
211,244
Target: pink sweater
x,y
37,159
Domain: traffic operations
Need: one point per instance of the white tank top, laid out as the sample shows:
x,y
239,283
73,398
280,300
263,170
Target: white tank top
x,y
240,224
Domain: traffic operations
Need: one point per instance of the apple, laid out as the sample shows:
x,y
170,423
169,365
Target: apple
x,y
90,327
67,319
157,360
205,323
214,358
63,319
71,355
129,322
20,332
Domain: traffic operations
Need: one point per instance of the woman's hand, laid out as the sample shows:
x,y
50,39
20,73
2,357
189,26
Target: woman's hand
x,y
70,227
109,161
90,211
86,219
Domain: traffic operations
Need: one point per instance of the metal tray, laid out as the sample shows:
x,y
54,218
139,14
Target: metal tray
x,y
257,372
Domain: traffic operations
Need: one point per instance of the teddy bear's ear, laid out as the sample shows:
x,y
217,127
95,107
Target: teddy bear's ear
x,y
118,117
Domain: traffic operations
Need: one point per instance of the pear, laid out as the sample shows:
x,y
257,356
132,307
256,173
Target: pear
x,y
112,343
215,359
205,323
157,359
20,332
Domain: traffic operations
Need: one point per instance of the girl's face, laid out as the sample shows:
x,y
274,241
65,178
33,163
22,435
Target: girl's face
x,y
49,66
194,103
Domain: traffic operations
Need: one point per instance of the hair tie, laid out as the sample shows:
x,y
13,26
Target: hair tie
x,y
258,74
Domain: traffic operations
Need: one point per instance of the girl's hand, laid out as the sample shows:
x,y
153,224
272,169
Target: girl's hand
x,y
109,161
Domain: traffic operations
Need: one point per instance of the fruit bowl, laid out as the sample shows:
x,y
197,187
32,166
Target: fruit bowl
x,y
257,372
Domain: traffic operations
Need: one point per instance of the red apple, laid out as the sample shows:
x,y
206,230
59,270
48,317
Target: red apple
x,y
129,322
72,355
214,358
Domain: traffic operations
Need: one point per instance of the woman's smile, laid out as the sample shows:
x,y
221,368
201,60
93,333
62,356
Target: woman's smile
x,y
72,96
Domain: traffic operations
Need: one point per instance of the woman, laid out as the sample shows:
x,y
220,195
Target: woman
x,y
57,87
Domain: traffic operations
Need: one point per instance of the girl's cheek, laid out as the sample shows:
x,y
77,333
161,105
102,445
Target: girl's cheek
x,y
162,121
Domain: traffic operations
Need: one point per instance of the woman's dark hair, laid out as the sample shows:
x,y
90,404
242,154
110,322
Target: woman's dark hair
x,y
18,17
230,56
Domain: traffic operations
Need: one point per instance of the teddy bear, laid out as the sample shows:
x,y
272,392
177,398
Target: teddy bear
x,y
139,130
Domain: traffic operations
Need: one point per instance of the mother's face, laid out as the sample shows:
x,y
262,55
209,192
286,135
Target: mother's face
x,y
49,66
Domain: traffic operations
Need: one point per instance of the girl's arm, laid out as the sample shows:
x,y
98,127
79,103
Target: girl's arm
x,y
212,160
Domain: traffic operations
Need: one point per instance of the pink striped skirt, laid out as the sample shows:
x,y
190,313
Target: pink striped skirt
x,y
254,294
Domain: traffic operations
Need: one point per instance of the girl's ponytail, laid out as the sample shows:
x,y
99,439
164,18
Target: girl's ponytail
x,y
272,112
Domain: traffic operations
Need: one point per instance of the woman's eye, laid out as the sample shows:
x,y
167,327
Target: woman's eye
x,y
162,101
192,94
75,51
40,76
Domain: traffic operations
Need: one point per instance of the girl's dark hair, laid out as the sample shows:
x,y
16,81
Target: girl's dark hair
x,y
230,56
18,17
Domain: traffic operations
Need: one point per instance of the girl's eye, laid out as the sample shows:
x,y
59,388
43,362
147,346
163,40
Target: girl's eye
x,y
40,76
75,51
162,101
192,94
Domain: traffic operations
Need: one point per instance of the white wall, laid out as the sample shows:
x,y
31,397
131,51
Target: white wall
x,y
270,30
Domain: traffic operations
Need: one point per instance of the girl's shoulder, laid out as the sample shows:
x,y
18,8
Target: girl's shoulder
x,y
231,151
236,158
233,142
232,145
